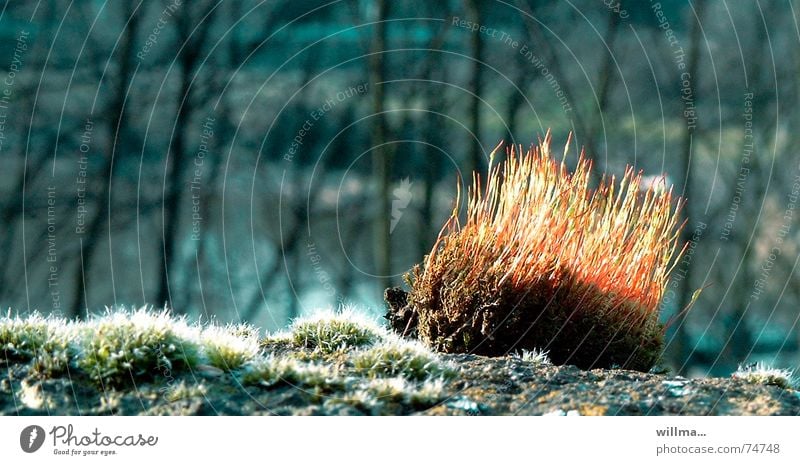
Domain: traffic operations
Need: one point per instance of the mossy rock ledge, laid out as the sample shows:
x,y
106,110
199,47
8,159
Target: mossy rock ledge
x,y
482,386
142,363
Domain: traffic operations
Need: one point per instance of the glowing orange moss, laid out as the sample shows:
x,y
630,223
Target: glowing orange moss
x,y
543,261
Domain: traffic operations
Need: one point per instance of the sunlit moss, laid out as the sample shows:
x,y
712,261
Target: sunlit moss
x,y
271,371
328,331
45,342
535,357
407,359
761,373
333,357
120,346
387,395
230,347
183,390
542,257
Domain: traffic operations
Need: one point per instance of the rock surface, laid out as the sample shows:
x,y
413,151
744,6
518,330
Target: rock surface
x,y
482,386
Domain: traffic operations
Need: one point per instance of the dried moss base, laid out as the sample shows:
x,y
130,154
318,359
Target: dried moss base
x,y
498,322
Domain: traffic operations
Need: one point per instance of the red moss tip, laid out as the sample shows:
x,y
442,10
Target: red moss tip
x,y
542,261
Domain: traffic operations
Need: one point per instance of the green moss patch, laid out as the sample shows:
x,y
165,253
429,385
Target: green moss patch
x,y
331,360
329,332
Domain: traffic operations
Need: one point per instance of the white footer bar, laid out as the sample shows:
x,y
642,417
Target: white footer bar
x,y
404,440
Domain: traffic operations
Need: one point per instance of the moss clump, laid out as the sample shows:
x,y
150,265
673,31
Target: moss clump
x,y
760,373
543,261
182,391
535,356
323,359
400,358
271,371
329,332
389,395
45,342
230,347
121,346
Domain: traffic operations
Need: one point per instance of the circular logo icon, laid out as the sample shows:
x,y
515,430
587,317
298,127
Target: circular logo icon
x,y
31,438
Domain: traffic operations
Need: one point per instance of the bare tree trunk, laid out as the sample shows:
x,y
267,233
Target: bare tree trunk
x,y
581,126
381,156
117,138
513,104
604,85
221,137
740,341
171,212
12,209
681,337
516,98
432,132
432,128
540,42
191,42
432,167
474,13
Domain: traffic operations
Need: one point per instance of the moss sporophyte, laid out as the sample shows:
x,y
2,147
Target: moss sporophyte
x,y
541,261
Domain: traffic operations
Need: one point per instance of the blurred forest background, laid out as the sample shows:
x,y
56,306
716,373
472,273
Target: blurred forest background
x,y
254,160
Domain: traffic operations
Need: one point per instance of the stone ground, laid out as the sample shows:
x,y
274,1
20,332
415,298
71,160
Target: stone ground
x,y
483,386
